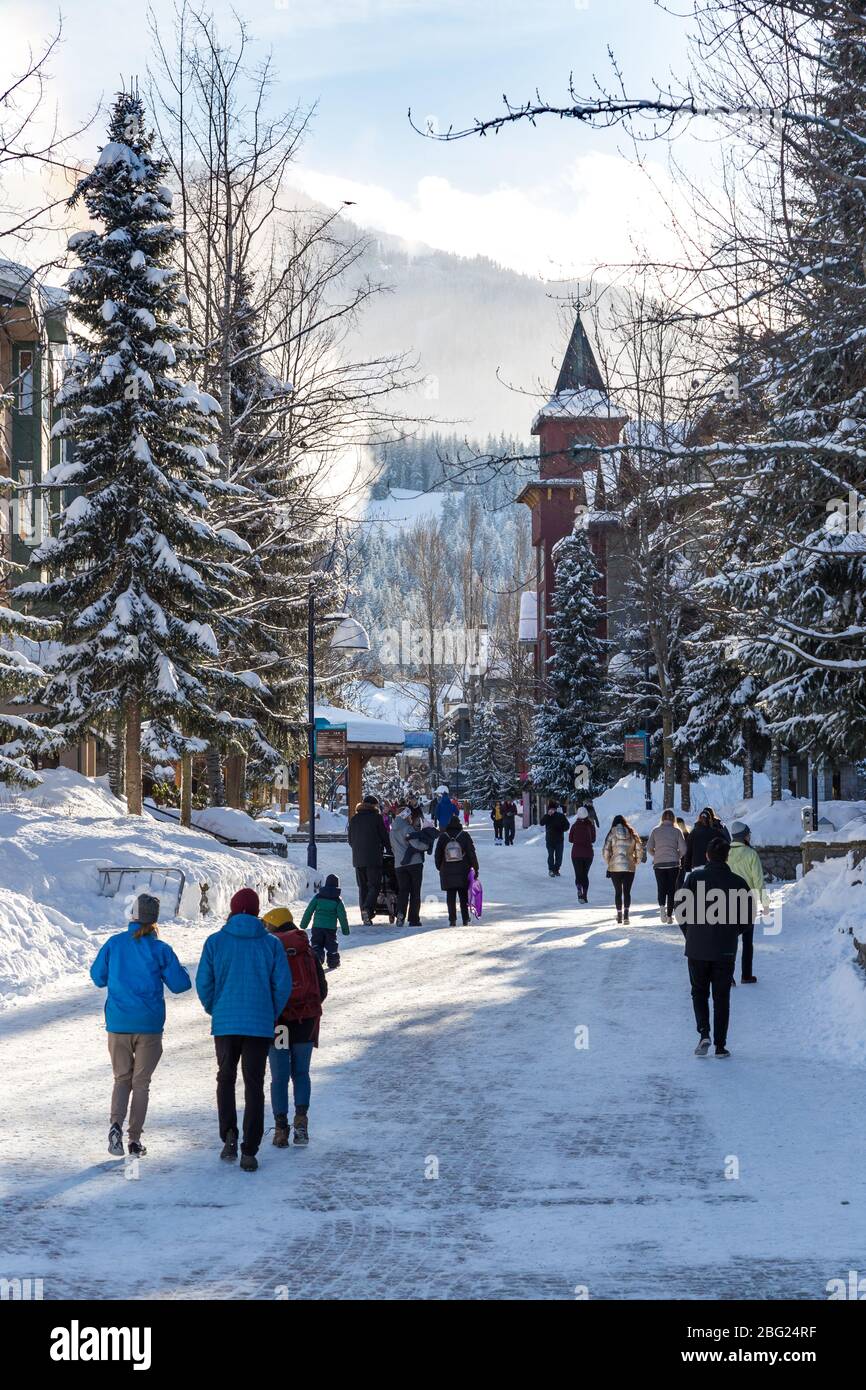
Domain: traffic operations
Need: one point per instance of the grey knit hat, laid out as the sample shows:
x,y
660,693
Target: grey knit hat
x,y
146,909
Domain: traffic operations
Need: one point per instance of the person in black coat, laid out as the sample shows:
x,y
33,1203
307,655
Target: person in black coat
x,y
369,840
713,908
454,857
509,820
707,827
555,823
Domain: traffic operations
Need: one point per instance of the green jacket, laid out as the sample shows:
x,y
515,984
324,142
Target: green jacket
x,y
326,912
746,862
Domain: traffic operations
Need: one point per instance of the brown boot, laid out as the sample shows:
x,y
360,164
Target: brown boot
x,y
301,1132
281,1131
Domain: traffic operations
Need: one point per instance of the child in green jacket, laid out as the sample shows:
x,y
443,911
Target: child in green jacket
x,y
327,911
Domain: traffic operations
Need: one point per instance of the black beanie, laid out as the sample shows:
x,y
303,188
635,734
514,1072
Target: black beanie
x,y
146,909
332,881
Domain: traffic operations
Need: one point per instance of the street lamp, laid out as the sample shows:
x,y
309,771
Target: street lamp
x,y
451,739
349,636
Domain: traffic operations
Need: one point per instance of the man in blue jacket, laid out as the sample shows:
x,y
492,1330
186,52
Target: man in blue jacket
x,y
244,982
135,966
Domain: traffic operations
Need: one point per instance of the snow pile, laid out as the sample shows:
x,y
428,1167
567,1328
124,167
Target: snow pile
x,y
820,916
54,840
329,822
231,824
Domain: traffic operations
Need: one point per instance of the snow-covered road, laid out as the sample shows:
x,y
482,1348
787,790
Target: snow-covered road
x,y
462,1144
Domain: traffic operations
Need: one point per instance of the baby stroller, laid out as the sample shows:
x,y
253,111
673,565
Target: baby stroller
x,y
386,903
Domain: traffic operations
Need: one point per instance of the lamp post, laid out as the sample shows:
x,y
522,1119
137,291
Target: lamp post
x,y
452,740
350,636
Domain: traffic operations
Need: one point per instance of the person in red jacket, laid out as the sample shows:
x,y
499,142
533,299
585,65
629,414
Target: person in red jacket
x,y
297,1029
581,837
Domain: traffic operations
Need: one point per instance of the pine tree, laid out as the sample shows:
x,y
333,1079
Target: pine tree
x,y
22,740
486,775
137,572
568,727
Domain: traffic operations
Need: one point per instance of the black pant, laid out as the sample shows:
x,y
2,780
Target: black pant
x,y
666,882
748,950
581,875
409,878
451,896
554,854
717,975
369,877
323,941
497,829
510,826
252,1053
622,883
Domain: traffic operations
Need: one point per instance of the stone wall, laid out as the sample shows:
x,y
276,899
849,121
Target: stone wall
x,y
816,851
780,862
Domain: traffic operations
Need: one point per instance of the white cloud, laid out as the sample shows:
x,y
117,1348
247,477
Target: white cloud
x,y
593,215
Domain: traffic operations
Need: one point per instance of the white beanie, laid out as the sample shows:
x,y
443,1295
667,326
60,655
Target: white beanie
x,y
582,813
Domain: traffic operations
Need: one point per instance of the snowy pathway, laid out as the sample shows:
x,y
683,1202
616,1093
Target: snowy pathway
x,y
558,1166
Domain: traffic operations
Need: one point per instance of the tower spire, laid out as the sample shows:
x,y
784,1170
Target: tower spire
x,y
579,369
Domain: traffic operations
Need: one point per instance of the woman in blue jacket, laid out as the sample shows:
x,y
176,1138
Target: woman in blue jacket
x,y
135,966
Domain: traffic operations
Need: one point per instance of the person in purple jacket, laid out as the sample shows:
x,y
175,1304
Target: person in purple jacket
x,y
135,966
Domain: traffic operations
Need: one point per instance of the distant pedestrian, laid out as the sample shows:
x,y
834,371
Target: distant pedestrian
x,y
555,824
369,840
582,838
454,856
622,852
686,833
666,847
244,983
467,813
327,912
498,818
590,810
297,1029
707,827
135,966
409,851
744,860
444,807
713,907
509,820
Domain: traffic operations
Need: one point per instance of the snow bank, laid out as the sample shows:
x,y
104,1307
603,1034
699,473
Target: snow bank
x,y
54,840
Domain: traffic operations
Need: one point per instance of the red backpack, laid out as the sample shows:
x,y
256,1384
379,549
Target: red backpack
x,y
305,1001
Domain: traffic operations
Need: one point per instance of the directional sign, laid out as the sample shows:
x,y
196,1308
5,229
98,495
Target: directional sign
x,y
635,748
331,743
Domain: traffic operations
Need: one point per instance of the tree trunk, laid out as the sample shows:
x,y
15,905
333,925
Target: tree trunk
x,y
775,770
116,754
669,761
216,786
685,785
748,775
186,789
133,756
236,765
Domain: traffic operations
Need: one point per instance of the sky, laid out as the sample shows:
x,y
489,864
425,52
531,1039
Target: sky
x,y
550,201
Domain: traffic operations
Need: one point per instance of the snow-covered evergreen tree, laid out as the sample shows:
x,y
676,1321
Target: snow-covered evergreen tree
x,y
22,740
137,572
485,774
567,729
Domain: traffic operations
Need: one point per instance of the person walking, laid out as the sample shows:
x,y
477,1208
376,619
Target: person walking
x,y
666,847
135,966
408,864
622,851
555,823
443,809
713,907
297,1030
327,912
369,840
707,827
509,820
581,837
686,833
244,982
745,861
467,814
498,819
454,856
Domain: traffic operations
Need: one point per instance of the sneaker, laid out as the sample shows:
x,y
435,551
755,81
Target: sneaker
x,y
115,1141
281,1131
136,1149
230,1147
702,1048
249,1163
302,1133
722,1051
748,980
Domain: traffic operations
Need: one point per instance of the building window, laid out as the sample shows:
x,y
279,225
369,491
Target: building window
x,y
25,503
25,383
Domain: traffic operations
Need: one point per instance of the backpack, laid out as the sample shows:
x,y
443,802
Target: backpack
x,y
453,851
305,1000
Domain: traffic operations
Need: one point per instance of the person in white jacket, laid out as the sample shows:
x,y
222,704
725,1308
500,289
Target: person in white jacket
x,y
666,847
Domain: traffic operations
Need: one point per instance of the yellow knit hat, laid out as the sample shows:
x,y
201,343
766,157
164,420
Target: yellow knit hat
x,y
278,917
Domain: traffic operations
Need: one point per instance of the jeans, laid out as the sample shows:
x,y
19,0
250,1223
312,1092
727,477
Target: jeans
x,y
451,896
717,975
622,883
554,854
748,951
290,1063
409,893
581,875
666,882
134,1058
369,879
252,1053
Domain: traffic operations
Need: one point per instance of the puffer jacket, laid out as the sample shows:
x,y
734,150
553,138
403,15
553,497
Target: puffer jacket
x,y
746,862
666,845
327,911
243,978
622,851
135,969
405,853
